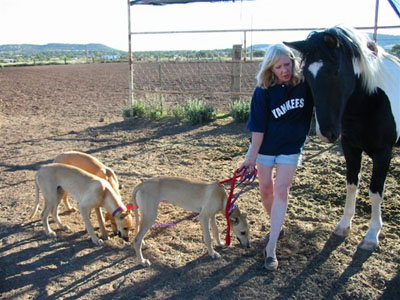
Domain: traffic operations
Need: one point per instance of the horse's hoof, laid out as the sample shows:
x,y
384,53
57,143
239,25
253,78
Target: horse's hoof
x,y
98,242
342,232
52,234
215,255
145,263
368,245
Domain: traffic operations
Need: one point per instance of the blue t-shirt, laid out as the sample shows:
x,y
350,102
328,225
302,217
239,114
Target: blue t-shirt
x,y
283,113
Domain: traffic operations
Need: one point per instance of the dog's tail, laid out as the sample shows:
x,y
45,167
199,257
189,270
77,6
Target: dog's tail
x,y
135,209
36,198
111,177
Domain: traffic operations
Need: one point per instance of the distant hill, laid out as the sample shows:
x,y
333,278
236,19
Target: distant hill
x,y
57,49
386,41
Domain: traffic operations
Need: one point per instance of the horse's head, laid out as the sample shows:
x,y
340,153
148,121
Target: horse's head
x,y
328,70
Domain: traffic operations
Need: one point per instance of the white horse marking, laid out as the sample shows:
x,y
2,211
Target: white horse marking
x,y
315,67
344,226
371,239
390,84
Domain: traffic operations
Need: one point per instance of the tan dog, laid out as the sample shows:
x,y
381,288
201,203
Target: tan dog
x,y
89,164
109,217
204,198
89,190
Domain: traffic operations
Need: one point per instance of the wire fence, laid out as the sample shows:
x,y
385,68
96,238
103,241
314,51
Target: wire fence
x,y
209,81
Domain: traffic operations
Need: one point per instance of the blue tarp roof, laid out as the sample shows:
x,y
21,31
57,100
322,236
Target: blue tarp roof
x,y
396,6
164,2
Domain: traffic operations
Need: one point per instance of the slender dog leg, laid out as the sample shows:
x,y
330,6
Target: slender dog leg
x,y
102,227
67,204
205,222
214,229
55,215
45,218
145,223
85,212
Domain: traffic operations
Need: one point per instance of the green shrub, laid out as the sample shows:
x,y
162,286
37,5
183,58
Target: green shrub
x,y
138,109
178,112
155,109
197,112
146,109
126,112
240,110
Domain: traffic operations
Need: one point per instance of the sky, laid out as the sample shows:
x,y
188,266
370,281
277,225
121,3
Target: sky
x,y
106,21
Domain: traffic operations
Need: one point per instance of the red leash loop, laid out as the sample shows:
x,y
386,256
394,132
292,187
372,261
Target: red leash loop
x,y
243,176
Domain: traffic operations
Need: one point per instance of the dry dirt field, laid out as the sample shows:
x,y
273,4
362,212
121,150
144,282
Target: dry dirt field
x,y
50,109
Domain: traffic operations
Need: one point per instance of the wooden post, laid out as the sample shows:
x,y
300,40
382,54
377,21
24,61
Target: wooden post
x,y
236,70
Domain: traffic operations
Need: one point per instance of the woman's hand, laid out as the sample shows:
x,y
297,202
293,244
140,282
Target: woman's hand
x,y
249,164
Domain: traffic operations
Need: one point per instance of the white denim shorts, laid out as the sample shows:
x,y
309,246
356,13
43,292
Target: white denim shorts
x,y
271,160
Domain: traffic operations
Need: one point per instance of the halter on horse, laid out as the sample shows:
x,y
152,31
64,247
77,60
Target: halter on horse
x,y
356,95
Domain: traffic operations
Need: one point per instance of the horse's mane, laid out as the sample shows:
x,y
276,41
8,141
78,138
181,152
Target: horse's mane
x,y
367,65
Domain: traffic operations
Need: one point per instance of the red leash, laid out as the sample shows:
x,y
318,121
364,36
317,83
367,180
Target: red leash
x,y
229,204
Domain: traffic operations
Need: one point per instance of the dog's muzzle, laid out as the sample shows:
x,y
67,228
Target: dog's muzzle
x,y
247,246
126,238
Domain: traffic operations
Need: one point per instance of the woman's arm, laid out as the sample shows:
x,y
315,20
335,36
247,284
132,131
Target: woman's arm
x,y
256,141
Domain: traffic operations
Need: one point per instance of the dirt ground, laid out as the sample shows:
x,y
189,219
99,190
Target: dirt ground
x,y
50,109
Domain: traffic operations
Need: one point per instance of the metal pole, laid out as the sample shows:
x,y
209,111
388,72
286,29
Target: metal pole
x,y
376,20
245,46
130,60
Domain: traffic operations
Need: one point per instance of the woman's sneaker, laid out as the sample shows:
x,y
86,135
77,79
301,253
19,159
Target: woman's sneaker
x,y
270,263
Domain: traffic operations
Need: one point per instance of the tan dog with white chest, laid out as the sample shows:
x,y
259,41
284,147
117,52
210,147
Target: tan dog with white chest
x,y
205,198
89,190
89,164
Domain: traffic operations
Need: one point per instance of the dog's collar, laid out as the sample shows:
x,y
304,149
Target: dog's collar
x,y
128,207
118,210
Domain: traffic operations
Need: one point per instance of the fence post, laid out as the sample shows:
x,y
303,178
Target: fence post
x,y
236,70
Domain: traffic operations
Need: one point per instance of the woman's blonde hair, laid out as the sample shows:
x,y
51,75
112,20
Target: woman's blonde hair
x,y
265,77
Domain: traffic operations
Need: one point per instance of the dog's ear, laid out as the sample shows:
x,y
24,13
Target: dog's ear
x,y
123,215
234,220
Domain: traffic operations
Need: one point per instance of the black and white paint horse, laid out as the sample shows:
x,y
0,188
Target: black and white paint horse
x,y
356,94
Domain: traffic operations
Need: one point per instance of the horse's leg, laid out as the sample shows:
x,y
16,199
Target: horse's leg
x,y
353,165
381,162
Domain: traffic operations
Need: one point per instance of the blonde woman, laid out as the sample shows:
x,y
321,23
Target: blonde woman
x,y
280,117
